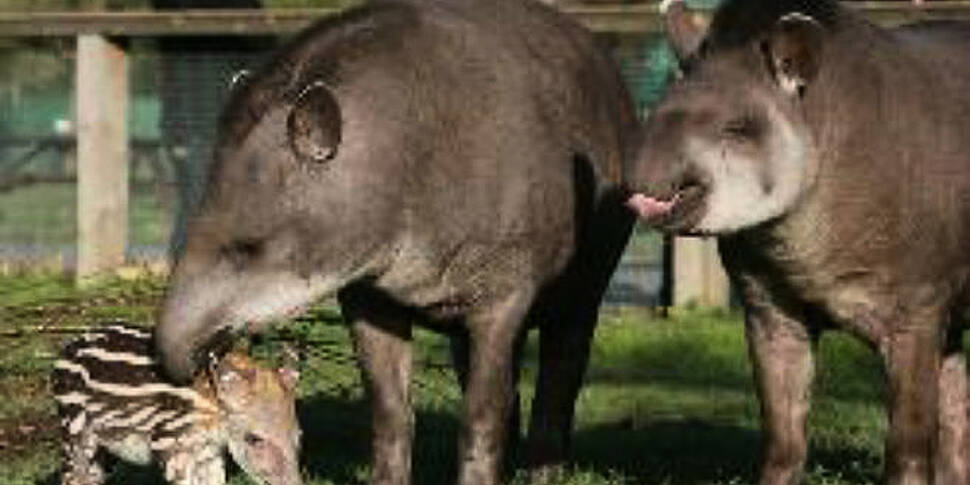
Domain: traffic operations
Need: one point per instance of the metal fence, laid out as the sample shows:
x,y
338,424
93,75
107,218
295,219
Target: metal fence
x,y
174,97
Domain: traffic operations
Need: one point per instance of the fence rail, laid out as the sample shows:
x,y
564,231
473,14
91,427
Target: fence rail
x,y
599,18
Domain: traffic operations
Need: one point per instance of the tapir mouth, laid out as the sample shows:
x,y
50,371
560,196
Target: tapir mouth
x,y
677,211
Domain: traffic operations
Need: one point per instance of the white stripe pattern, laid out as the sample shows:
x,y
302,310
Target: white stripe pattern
x,y
133,332
143,390
176,424
72,398
77,423
94,406
135,418
155,420
92,337
162,444
109,356
108,417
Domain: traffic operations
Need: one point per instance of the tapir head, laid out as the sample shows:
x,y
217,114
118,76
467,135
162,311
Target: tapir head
x,y
252,250
729,146
259,415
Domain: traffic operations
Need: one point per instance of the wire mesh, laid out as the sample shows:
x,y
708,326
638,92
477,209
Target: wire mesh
x,y
37,166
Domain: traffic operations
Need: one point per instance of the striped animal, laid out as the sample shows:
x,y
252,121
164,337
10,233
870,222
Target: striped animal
x,y
111,395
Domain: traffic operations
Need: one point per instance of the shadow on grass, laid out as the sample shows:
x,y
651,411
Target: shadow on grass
x,y
336,441
335,437
851,465
119,473
336,447
686,452
671,451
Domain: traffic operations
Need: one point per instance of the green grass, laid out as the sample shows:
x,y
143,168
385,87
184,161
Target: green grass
x,y
665,402
45,214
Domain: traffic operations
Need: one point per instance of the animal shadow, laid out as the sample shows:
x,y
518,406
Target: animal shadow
x,y
690,451
336,441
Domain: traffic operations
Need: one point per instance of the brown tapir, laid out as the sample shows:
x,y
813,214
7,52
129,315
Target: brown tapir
x,y
453,163
831,158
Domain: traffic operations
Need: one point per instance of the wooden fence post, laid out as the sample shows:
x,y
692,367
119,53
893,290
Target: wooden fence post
x,y
699,277
101,105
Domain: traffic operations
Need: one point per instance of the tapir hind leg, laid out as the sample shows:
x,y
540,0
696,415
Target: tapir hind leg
x,y
493,333
954,436
460,359
567,322
564,345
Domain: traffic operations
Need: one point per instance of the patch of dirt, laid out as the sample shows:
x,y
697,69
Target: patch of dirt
x,y
25,434
26,387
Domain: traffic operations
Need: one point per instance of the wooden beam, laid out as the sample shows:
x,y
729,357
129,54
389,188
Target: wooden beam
x,y
155,24
699,278
623,19
890,14
101,104
599,18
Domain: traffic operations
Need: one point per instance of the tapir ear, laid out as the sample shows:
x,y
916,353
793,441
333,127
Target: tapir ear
x,y
234,368
234,378
288,373
289,377
686,29
793,52
238,78
313,125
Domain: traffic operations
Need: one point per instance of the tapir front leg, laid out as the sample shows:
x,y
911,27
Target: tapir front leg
x,y
913,359
382,340
782,351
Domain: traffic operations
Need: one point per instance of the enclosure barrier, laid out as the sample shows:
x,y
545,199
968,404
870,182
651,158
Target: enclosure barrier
x,y
101,100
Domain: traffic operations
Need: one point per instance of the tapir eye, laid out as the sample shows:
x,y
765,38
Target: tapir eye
x,y
242,251
744,127
252,440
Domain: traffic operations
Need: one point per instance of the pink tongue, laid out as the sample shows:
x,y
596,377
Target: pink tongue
x,y
648,207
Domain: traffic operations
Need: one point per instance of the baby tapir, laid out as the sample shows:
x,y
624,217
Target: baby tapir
x,y
111,396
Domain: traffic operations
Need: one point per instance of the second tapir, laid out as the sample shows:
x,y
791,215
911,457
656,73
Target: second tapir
x,y
832,159
442,162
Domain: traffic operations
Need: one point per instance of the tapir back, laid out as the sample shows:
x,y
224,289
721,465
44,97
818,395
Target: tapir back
x,y
892,124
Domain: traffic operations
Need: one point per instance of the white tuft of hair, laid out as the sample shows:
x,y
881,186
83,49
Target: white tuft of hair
x,y
665,5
